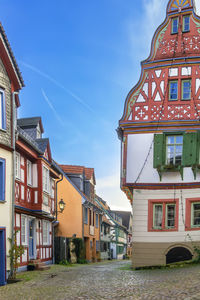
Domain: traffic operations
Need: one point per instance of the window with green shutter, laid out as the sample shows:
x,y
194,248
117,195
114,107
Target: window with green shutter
x,y
173,152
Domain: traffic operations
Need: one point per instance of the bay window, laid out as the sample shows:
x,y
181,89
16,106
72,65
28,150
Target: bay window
x,y
45,172
29,172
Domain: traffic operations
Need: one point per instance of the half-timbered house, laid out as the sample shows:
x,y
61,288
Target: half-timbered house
x,y
35,176
160,136
10,84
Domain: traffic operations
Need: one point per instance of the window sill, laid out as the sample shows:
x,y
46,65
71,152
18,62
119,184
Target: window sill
x,y
3,130
173,33
163,229
192,228
3,201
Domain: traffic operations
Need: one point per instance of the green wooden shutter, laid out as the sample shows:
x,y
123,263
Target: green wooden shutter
x,y
159,150
189,149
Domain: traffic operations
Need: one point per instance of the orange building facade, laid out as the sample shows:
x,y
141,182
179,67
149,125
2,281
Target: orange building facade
x,y
81,217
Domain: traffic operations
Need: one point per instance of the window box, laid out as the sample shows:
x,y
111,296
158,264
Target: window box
x,y
163,215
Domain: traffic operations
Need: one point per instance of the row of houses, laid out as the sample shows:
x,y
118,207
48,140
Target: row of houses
x,y
42,200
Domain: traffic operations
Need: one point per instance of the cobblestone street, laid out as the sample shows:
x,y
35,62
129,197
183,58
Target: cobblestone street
x,y
106,281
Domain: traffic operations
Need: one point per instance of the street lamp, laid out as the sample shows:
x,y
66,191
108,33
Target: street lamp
x,y
61,205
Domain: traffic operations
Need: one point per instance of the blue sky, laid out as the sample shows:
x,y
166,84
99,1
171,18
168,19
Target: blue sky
x,y
79,59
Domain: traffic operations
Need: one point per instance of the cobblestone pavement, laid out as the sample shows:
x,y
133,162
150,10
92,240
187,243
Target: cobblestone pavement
x,y
107,281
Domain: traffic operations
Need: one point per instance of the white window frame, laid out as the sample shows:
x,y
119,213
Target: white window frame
x,y
154,205
18,166
52,191
2,110
166,214
29,173
45,185
45,232
24,230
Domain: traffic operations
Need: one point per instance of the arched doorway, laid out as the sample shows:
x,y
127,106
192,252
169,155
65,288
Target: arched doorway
x,y
178,254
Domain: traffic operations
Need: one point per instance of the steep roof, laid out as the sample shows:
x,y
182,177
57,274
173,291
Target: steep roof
x,y
125,215
42,144
7,44
79,170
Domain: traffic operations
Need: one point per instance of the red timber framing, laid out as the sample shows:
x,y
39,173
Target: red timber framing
x,y
34,207
148,107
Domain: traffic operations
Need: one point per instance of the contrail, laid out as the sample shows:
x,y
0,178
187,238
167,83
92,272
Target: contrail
x,y
52,108
58,84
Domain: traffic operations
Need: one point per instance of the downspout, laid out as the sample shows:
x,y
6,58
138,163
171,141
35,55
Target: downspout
x,y
13,176
53,227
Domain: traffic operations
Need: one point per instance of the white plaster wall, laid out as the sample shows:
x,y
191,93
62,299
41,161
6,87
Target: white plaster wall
x,y
140,216
6,207
137,149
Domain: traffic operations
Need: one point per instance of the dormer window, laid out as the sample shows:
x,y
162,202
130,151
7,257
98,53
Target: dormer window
x,y
174,25
186,23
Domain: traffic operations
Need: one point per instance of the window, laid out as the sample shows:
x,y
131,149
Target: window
x,y
45,233
45,179
174,149
17,166
186,89
85,215
97,221
97,246
186,23
195,217
192,215
174,25
2,179
52,185
23,230
170,215
157,216
29,172
173,152
2,110
163,215
173,90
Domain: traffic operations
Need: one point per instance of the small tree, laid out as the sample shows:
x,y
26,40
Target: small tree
x,y
15,253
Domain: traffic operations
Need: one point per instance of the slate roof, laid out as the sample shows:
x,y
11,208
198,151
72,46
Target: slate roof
x,y
2,31
28,139
30,122
79,170
125,215
42,144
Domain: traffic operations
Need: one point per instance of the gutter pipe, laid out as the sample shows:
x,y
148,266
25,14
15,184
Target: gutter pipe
x,y
13,169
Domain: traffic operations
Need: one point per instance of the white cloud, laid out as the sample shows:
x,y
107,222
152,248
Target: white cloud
x,y
109,189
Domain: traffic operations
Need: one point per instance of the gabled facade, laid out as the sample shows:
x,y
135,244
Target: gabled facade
x,y
84,180
116,235
127,221
10,84
35,193
159,133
